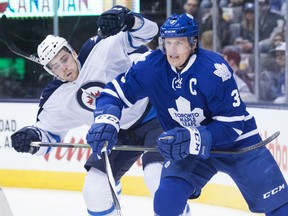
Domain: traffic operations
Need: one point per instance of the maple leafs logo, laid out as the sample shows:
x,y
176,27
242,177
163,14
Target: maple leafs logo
x,y
184,115
222,71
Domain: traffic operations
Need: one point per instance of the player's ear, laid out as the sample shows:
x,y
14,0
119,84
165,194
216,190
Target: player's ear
x,y
194,44
74,54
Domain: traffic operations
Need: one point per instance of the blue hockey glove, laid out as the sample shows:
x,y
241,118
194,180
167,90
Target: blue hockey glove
x,y
180,142
115,20
105,129
22,138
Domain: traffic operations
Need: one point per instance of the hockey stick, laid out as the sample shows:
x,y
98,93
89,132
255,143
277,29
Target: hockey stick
x,y
154,149
77,145
110,178
5,209
10,44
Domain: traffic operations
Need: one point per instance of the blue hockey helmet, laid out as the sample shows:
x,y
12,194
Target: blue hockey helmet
x,y
179,25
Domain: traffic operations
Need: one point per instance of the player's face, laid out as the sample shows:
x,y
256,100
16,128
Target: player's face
x,y
178,51
64,66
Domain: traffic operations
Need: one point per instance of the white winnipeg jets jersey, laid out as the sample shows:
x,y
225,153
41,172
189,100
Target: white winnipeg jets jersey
x,y
66,105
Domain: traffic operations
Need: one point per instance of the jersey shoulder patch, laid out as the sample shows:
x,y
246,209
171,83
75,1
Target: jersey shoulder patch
x,y
222,71
213,66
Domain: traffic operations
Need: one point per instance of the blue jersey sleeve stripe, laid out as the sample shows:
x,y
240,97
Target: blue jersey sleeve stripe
x,y
228,119
110,92
249,134
248,117
121,93
239,132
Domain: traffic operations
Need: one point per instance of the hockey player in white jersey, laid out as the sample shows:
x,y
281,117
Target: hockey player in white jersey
x,y
68,101
198,105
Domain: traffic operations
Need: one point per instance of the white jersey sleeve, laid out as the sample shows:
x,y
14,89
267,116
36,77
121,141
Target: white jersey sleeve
x,y
142,33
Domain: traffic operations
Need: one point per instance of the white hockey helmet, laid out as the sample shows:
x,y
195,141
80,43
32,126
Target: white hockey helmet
x,y
49,48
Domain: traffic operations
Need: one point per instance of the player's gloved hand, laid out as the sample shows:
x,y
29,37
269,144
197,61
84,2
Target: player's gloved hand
x,y
115,20
105,129
22,138
180,142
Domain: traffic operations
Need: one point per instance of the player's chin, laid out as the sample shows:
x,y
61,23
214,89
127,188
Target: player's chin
x,y
71,76
175,62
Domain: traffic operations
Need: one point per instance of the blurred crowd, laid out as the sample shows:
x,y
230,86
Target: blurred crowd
x,y
236,32
235,41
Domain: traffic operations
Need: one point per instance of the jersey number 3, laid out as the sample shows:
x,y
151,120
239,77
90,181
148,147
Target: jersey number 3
x,y
236,97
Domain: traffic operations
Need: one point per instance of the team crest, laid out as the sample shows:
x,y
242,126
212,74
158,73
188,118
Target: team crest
x,y
88,93
222,71
184,115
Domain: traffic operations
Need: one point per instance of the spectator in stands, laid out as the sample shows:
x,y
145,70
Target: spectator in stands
x,y
270,23
192,7
272,43
276,5
205,4
244,83
153,44
272,79
243,33
223,31
232,10
231,3
206,40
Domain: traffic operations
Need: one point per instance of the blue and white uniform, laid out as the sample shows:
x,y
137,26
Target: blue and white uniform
x,y
203,93
67,105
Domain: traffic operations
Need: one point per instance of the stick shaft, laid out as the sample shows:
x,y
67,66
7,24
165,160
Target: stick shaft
x,y
154,149
110,179
85,145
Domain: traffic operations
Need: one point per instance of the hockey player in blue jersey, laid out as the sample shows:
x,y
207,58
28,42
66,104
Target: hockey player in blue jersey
x,y
198,105
66,102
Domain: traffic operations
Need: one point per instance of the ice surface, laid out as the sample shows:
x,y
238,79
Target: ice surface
x,y
36,202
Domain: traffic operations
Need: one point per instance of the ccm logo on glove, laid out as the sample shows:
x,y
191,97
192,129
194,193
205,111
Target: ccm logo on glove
x,y
185,141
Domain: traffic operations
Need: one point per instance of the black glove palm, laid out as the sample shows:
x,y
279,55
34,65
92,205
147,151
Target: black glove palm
x,y
22,138
115,20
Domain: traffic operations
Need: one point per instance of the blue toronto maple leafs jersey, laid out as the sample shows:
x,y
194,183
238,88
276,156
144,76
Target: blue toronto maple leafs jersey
x,y
203,93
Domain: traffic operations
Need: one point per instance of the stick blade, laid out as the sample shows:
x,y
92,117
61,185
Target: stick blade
x,y
7,36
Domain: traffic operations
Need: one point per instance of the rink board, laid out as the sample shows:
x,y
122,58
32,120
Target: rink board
x,y
63,168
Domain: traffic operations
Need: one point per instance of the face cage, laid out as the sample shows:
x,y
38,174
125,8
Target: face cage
x,y
161,42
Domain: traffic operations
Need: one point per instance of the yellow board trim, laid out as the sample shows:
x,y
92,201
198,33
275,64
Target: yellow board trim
x,y
220,195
